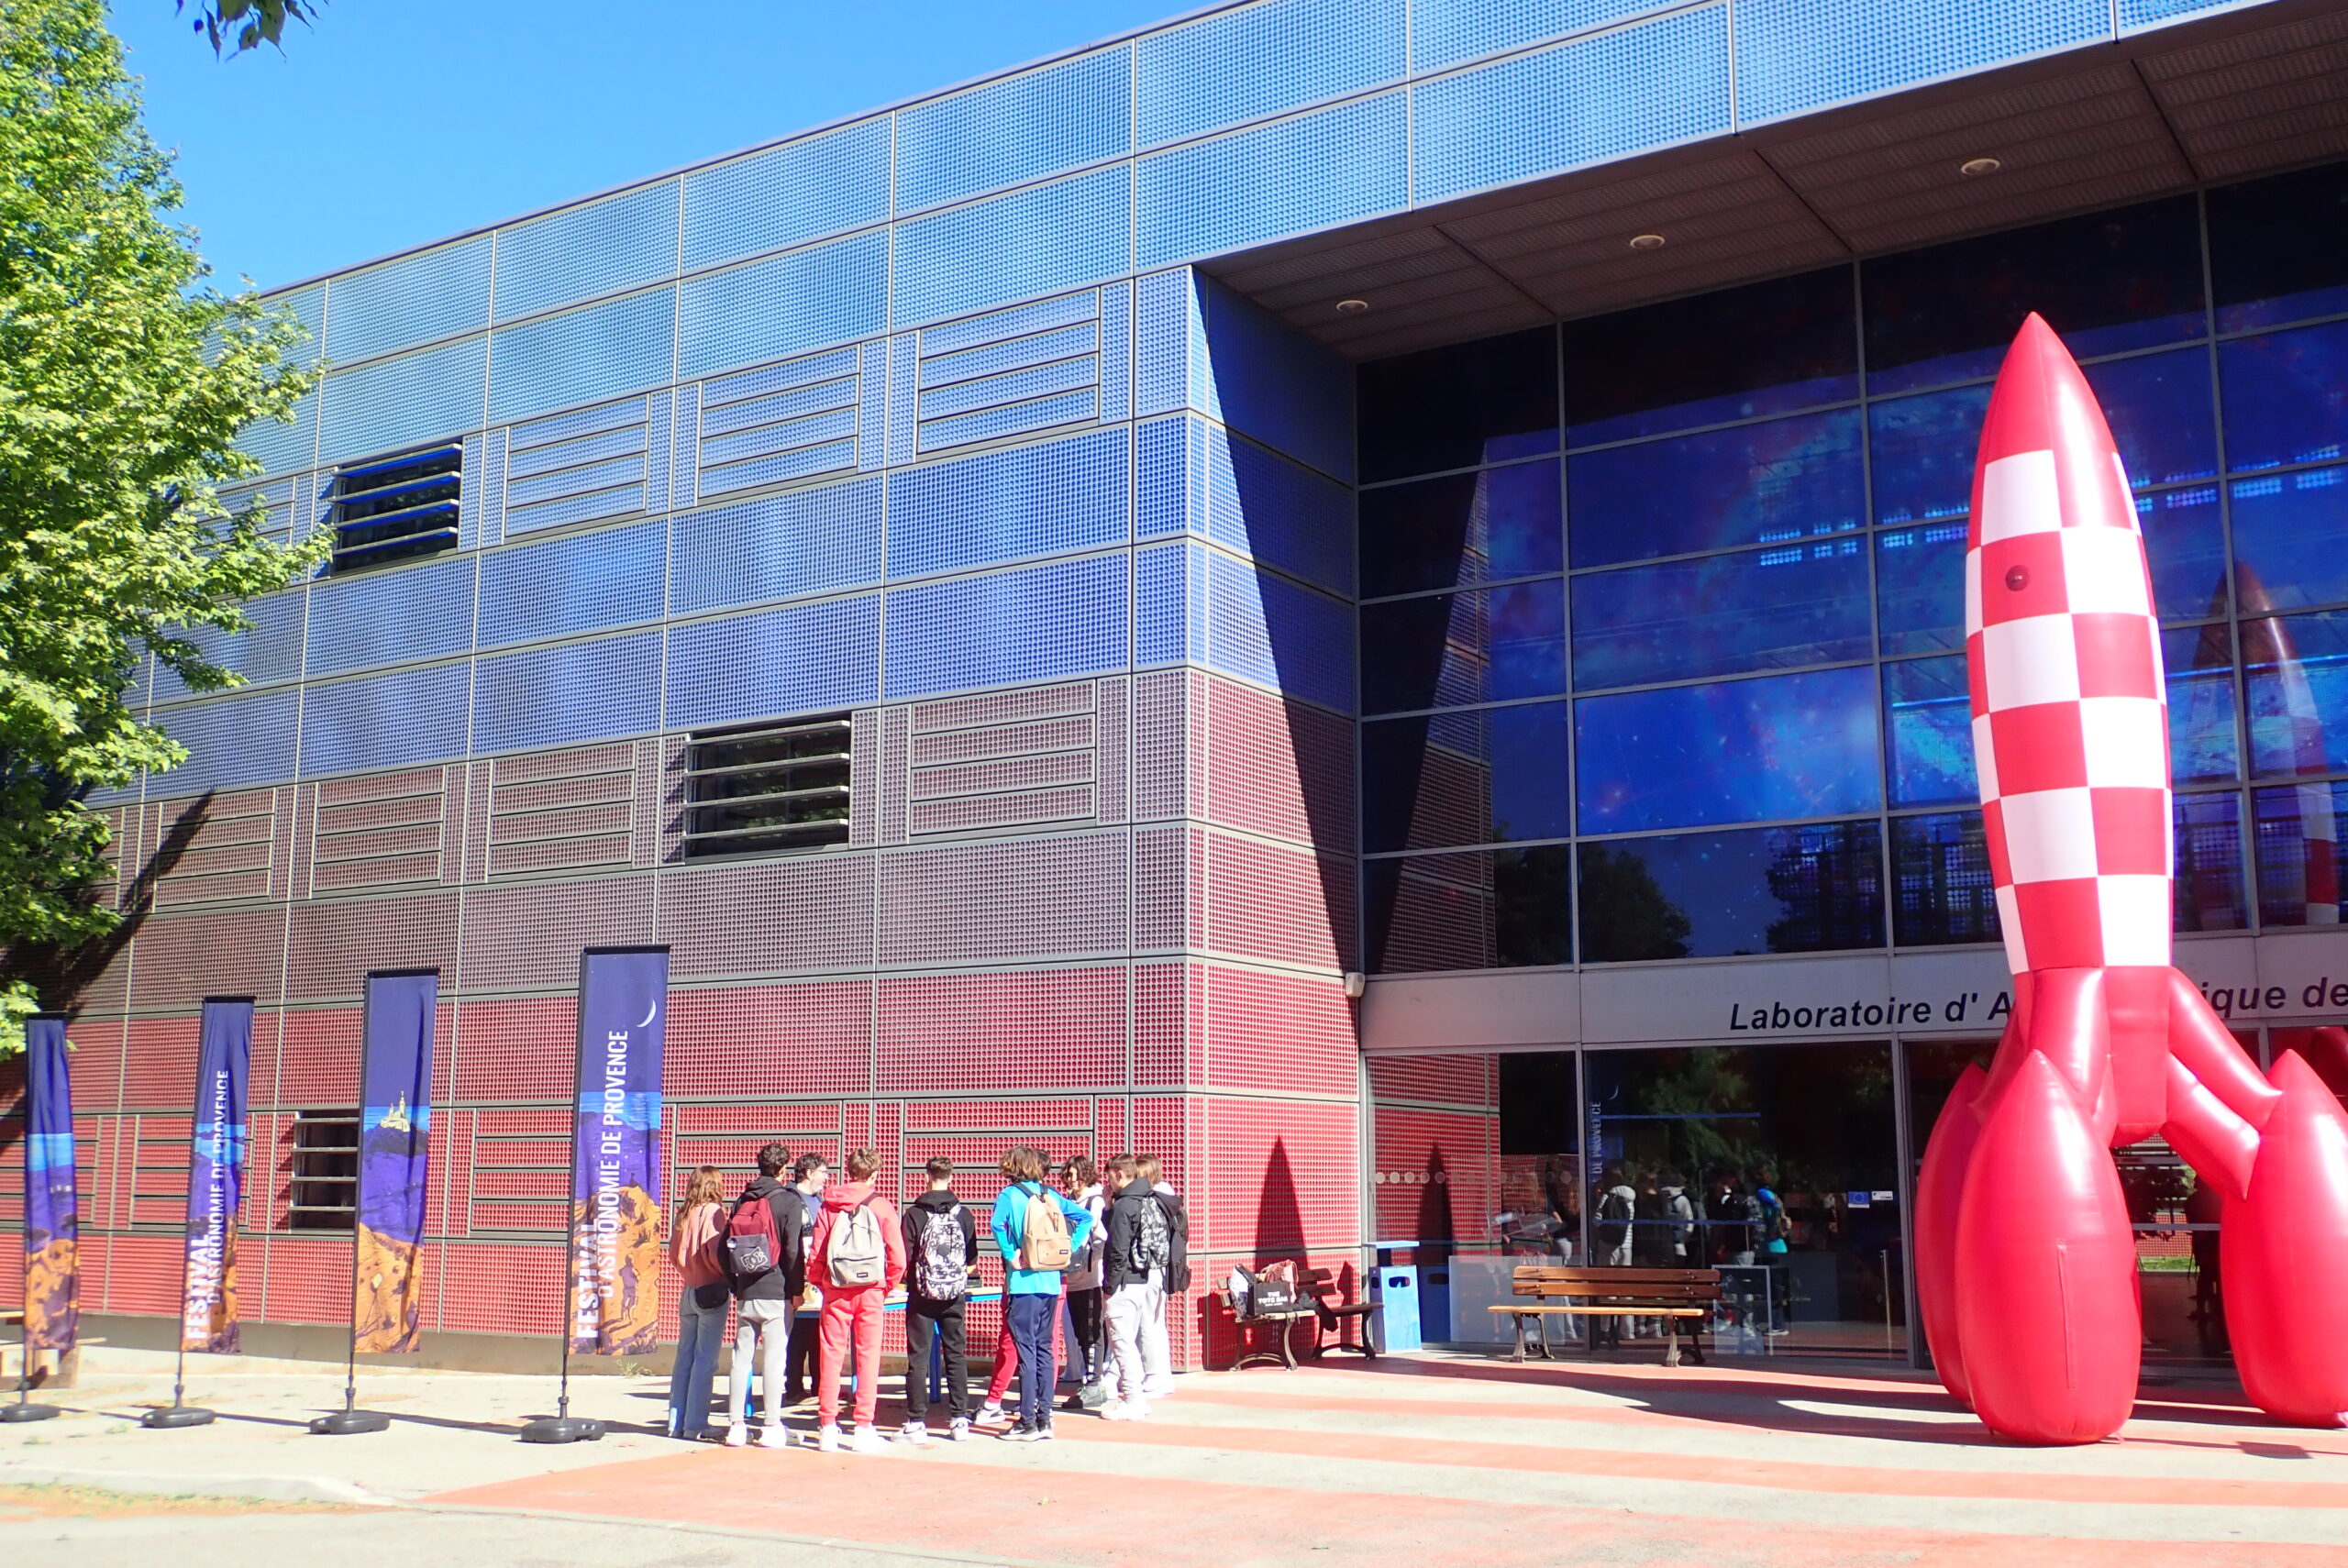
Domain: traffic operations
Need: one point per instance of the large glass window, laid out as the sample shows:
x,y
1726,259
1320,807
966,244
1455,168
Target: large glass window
x,y
1796,604
1794,890
2287,396
1455,407
1491,909
2296,675
1750,484
1461,529
1484,776
1489,645
2278,249
1928,721
2288,529
1941,884
2300,830
2209,893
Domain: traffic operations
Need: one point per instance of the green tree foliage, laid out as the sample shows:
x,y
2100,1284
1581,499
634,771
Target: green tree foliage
x,y
236,26
123,380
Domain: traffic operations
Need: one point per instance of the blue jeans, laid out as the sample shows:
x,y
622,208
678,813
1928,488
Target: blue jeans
x,y
699,1331
1030,1330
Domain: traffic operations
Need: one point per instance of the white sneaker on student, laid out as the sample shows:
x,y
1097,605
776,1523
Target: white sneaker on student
x,y
868,1439
917,1433
1127,1410
737,1435
828,1439
774,1435
960,1430
991,1414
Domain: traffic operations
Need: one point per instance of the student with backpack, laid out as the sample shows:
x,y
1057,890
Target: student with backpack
x,y
799,1369
1157,1364
1080,1179
856,1251
1038,1231
1133,1270
941,1249
695,1237
764,1264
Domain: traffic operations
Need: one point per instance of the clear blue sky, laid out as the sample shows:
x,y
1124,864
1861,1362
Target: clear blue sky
x,y
393,122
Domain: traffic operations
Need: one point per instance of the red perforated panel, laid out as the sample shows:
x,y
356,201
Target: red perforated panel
x,y
1470,1080
515,1050
98,1063
333,942
1004,900
889,787
769,917
501,1288
864,759
308,1280
1003,707
1168,1017
320,1055
1159,704
1280,1032
182,959
1277,767
743,1040
1166,919
1051,1028
529,936
1264,901
159,1065
1113,765
1281,1173
1435,1173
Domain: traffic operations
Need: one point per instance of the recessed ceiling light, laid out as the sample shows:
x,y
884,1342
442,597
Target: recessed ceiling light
x,y
1647,242
1352,307
1973,168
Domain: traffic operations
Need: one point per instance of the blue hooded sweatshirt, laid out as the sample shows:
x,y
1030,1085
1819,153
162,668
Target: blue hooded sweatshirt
x,y
1010,1222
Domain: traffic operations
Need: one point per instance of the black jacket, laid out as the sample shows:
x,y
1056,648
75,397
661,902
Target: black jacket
x,y
916,1221
1116,1266
781,1282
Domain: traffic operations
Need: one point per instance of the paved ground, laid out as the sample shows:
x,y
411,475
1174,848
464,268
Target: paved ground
x,y
1420,1461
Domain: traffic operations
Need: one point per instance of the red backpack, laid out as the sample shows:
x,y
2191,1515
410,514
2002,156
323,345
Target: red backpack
x,y
753,1246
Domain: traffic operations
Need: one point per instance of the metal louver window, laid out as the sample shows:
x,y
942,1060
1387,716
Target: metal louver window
x,y
388,509
777,786
325,1190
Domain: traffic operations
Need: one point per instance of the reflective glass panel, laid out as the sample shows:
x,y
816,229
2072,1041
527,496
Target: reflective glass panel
x,y
1796,889
2203,745
1489,909
1756,609
1486,776
1752,484
1765,348
2299,829
2287,396
2108,281
1939,869
1776,1164
2288,534
2295,678
1928,721
1462,529
2185,544
1923,449
1774,748
1920,587
1486,645
2162,413
2208,891
1454,407
2278,249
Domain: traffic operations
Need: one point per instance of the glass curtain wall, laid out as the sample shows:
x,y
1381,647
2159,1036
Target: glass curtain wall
x,y
1662,622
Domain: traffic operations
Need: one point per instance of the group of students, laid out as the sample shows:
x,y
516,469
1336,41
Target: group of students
x,y
1108,1246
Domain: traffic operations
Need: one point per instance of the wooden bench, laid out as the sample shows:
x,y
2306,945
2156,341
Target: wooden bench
x,y
1316,1288
1612,1293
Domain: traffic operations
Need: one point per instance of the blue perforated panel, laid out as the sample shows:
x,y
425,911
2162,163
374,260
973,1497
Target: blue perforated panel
x,y
485,485
776,663
282,445
231,742
1259,375
434,293
610,577
1255,60
568,693
1032,242
1587,101
811,541
1173,478
627,468
1030,501
430,395
1162,363
806,462
390,616
1314,172
2143,16
619,242
1166,628
805,371
787,304
1446,32
902,352
386,721
1052,622
792,403
584,357
873,407
1116,351
1198,477
528,442
270,649
788,194
781,435
1004,133
1008,387
1038,316
307,307
1271,631
1012,419
994,358
1793,56
469,492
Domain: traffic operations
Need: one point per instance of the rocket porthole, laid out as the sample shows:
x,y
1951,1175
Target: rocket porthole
x,y
2017,577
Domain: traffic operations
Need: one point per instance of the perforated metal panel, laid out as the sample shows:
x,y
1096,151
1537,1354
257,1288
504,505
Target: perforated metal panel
x,y
775,663
872,406
1257,374
1041,623
281,444
2143,16
1253,61
1004,899
1314,172
1032,242
231,741
772,915
429,396
1793,56
385,721
1166,309
610,577
1049,1028
1581,103
1289,1032
391,617
1004,133
1116,351
1030,501
1283,770
1025,417
809,541
738,1040
1199,478
270,650
432,294
1449,32
307,307
1269,630
784,195
583,356
786,304
529,934
599,248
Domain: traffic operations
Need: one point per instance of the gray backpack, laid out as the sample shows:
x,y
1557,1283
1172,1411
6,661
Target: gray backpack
x,y
857,1255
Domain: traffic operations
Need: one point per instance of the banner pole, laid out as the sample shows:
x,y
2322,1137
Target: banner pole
x,y
559,1426
350,1418
182,1413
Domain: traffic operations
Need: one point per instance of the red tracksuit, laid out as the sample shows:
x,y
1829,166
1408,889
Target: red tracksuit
x,y
851,1310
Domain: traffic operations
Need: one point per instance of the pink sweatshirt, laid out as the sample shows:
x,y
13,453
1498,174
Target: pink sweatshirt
x,y
694,1244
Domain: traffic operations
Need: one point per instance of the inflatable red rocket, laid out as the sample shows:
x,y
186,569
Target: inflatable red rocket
x,y
2026,1264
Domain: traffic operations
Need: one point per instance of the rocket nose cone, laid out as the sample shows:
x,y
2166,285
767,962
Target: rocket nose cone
x,y
2042,403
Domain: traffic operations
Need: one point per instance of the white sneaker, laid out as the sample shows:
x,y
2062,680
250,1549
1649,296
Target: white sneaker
x,y
917,1433
990,1416
774,1435
959,1430
868,1439
1162,1392
828,1439
1129,1411
737,1435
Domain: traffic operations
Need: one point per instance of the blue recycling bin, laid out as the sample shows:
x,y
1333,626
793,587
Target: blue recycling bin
x,y
1398,1296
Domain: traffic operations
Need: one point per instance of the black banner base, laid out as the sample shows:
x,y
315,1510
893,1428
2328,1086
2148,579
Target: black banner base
x,y
342,1423
12,1414
178,1416
564,1429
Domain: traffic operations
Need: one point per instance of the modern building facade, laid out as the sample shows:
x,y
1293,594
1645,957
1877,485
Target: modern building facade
x,y
1027,592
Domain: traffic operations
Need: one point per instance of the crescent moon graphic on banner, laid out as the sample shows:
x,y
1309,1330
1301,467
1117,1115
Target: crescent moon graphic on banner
x,y
649,1014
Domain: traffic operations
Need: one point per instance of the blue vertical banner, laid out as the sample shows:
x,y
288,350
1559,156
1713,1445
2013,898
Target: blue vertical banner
x,y
52,1211
216,1176
394,1124
615,1152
